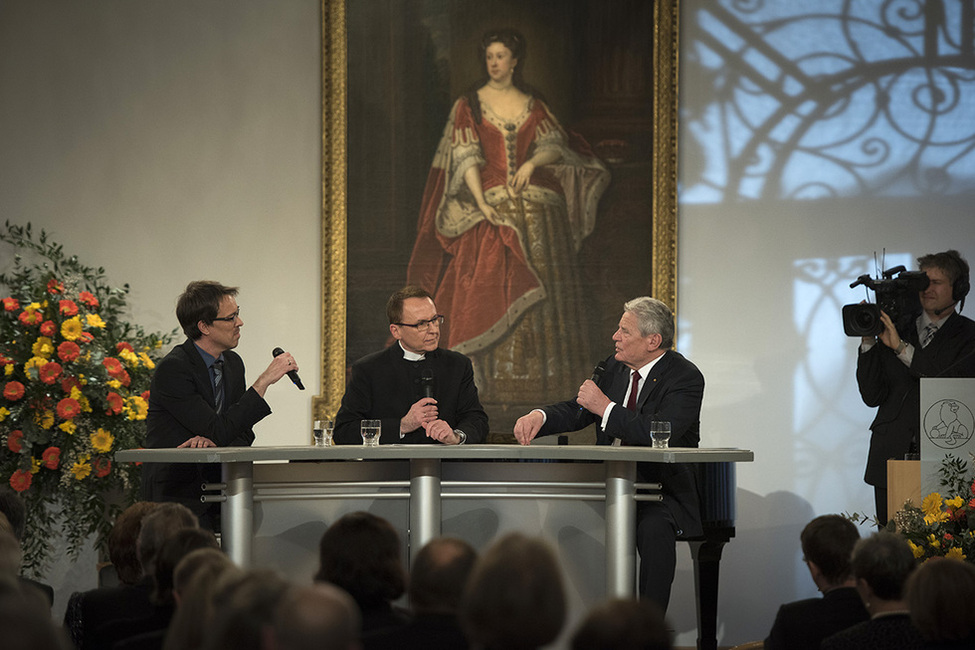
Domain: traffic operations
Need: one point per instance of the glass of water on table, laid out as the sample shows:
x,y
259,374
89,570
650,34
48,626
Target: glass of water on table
x,y
370,430
323,432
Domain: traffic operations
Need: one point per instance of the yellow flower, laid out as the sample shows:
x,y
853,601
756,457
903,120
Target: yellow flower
x,y
916,550
68,427
71,329
955,554
75,393
114,383
33,366
932,509
45,420
129,356
933,541
136,408
3,413
147,361
94,320
35,465
81,468
955,503
8,369
102,440
43,347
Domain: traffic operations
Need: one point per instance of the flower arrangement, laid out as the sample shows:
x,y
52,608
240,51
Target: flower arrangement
x,y
75,382
942,526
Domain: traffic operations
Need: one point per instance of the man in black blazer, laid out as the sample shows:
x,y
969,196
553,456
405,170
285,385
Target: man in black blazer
x,y
420,392
889,375
668,387
189,407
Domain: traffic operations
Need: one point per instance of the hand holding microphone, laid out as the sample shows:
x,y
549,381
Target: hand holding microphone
x,y
292,374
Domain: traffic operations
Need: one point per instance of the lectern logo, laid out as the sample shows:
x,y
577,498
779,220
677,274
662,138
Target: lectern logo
x,y
949,423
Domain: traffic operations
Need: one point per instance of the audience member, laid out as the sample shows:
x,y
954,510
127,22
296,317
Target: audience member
x,y
361,554
317,617
438,576
243,609
25,618
194,582
827,543
881,564
623,624
941,599
514,599
12,506
89,609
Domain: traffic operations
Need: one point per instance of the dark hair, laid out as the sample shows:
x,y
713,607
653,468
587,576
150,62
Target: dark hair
x,y
123,538
158,526
243,609
394,306
360,553
941,598
623,624
828,542
12,505
439,573
883,561
950,261
514,598
200,302
173,550
514,41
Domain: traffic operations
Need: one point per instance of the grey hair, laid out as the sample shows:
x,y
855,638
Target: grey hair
x,y
653,317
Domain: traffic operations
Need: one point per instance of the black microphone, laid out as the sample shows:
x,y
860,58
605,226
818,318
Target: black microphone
x,y
938,312
426,383
597,374
292,374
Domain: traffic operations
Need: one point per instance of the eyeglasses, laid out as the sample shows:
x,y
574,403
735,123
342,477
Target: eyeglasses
x,y
230,319
424,325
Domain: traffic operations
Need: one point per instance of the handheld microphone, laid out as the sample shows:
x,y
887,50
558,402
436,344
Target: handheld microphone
x,y
426,383
597,374
292,374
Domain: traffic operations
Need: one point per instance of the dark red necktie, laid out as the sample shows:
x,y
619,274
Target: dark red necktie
x,y
634,391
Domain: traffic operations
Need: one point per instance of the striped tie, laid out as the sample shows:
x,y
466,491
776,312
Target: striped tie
x,y
928,334
218,384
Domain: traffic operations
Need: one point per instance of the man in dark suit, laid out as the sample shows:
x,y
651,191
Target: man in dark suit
x,y
198,396
644,381
941,344
827,544
420,392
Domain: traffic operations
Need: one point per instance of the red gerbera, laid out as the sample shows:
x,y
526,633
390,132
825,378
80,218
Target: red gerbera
x,y
68,408
113,366
13,391
53,286
48,328
51,457
15,441
30,317
50,372
102,466
90,300
68,383
115,403
123,345
11,304
68,307
20,480
69,351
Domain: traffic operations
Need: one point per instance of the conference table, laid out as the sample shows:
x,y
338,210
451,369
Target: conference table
x,y
594,489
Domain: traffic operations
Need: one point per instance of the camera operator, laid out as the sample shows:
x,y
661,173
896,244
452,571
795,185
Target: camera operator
x,y
890,366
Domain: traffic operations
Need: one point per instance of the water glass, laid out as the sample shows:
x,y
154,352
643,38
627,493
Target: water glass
x,y
370,430
660,434
323,432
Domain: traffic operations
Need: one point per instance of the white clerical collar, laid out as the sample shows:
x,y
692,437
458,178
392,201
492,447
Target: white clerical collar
x,y
410,356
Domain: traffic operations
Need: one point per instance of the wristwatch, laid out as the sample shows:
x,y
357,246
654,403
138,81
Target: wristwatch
x,y
461,435
901,347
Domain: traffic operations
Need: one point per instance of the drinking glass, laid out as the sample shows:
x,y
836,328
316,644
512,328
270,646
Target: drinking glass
x,y
660,434
323,432
370,430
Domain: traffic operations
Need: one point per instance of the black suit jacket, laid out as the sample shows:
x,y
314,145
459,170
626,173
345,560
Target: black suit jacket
x,y
803,625
181,406
384,385
885,382
673,391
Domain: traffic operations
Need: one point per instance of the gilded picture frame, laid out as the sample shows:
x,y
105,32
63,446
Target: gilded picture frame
x,y
335,183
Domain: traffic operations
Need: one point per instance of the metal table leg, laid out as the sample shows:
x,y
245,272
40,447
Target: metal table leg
x,y
620,529
237,516
425,477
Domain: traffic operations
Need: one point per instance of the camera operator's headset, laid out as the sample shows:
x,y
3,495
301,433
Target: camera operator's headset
x,y
961,286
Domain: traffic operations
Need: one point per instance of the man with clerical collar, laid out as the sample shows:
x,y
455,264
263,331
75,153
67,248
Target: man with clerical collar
x,y
199,397
420,392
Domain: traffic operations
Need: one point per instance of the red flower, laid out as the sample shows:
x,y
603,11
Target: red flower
x,y
53,286
102,466
11,304
51,457
68,308
30,317
122,345
69,351
13,391
20,480
5,360
125,378
68,408
15,441
48,328
145,395
86,337
50,372
90,301
115,403
113,366
68,383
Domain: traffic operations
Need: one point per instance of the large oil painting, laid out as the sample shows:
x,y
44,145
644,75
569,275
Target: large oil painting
x,y
531,210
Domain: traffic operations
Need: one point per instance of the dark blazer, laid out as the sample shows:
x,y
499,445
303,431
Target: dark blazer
x,y
673,391
803,625
181,406
88,611
885,382
384,385
890,632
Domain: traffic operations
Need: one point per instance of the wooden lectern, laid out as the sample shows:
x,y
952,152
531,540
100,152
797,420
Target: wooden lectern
x,y
903,483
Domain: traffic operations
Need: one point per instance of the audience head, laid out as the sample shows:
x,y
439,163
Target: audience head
x,y
514,598
360,553
883,562
439,573
941,597
12,505
200,302
172,552
243,608
195,580
623,624
827,542
315,617
25,619
11,555
123,541
157,527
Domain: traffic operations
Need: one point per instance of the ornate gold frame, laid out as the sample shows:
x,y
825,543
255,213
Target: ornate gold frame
x,y
334,178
